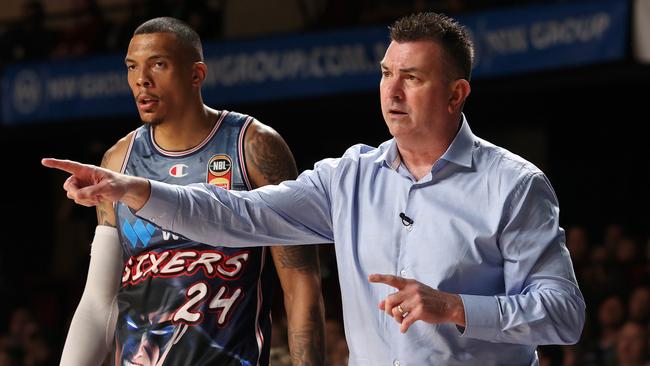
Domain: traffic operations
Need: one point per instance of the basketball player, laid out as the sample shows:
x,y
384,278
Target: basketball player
x,y
167,299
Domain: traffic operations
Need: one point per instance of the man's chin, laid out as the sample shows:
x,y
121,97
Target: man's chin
x,y
151,121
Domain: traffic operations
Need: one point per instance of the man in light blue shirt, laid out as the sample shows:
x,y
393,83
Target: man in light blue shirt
x,y
448,247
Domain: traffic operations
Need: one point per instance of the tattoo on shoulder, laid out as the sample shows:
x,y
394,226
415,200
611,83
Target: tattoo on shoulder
x,y
271,157
303,258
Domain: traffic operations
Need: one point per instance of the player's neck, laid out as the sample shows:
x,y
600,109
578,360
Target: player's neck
x,y
186,132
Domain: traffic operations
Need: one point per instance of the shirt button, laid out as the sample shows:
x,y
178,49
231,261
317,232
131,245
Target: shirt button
x,y
403,273
396,363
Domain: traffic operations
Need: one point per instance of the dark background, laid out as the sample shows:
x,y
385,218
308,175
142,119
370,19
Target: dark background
x,y
585,127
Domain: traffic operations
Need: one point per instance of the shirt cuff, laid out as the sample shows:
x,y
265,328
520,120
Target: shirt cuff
x,y
161,206
482,320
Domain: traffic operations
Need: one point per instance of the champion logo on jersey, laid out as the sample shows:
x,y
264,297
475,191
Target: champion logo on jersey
x,y
219,170
178,170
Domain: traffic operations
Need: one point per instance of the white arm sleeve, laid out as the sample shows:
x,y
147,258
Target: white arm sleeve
x,y
93,325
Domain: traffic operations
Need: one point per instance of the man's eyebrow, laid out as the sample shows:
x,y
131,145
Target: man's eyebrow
x,y
409,69
404,70
127,59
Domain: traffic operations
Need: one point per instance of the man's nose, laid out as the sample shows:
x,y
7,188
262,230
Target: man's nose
x,y
395,89
144,80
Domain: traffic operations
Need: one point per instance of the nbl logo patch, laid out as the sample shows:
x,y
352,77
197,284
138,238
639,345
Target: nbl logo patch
x,y
220,171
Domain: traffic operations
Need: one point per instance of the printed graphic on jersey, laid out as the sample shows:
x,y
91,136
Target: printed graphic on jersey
x,y
219,171
178,170
156,314
139,232
156,331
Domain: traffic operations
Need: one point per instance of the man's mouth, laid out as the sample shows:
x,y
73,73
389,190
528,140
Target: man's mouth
x,y
146,102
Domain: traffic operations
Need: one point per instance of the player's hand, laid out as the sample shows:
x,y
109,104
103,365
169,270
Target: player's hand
x,y
89,185
418,301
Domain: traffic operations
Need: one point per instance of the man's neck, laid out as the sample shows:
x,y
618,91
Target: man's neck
x,y
188,132
419,153
419,161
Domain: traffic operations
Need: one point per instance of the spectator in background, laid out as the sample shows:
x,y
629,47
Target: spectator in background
x,y
629,262
639,305
88,35
632,345
11,357
24,344
28,38
611,315
577,241
612,236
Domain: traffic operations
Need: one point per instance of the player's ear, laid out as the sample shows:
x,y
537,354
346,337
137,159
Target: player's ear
x,y
199,72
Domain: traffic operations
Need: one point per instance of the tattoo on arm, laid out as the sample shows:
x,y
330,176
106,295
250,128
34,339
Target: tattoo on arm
x,y
307,344
105,209
271,156
103,214
303,258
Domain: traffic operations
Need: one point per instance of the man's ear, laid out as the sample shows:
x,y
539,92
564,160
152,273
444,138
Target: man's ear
x,y
199,72
460,90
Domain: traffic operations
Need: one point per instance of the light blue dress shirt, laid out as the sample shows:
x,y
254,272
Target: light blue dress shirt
x,y
485,226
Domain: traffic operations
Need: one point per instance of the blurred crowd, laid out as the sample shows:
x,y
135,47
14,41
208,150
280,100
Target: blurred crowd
x,y
90,29
613,271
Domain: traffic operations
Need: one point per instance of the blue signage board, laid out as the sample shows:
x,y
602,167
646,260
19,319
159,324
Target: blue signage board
x,y
507,42
540,37
264,69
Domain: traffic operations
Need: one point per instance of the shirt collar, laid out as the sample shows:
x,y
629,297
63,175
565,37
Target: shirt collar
x,y
462,147
459,152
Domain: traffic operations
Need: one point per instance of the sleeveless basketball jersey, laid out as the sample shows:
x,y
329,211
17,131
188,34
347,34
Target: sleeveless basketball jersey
x,y
182,302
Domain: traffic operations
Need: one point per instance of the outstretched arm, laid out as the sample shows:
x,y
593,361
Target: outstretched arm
x,y
269,161
89,185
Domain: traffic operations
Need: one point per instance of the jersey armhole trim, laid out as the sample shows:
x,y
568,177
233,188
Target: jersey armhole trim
x,y
242,155
128,153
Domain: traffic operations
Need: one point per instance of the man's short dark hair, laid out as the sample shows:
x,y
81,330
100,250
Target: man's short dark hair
x,y
187,36
449,34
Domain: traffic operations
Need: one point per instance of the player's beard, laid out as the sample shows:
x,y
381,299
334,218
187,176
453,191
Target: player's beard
x,y
153,122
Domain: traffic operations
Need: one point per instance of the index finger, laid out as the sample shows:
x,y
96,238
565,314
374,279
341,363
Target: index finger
x,y
69,166
394,281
